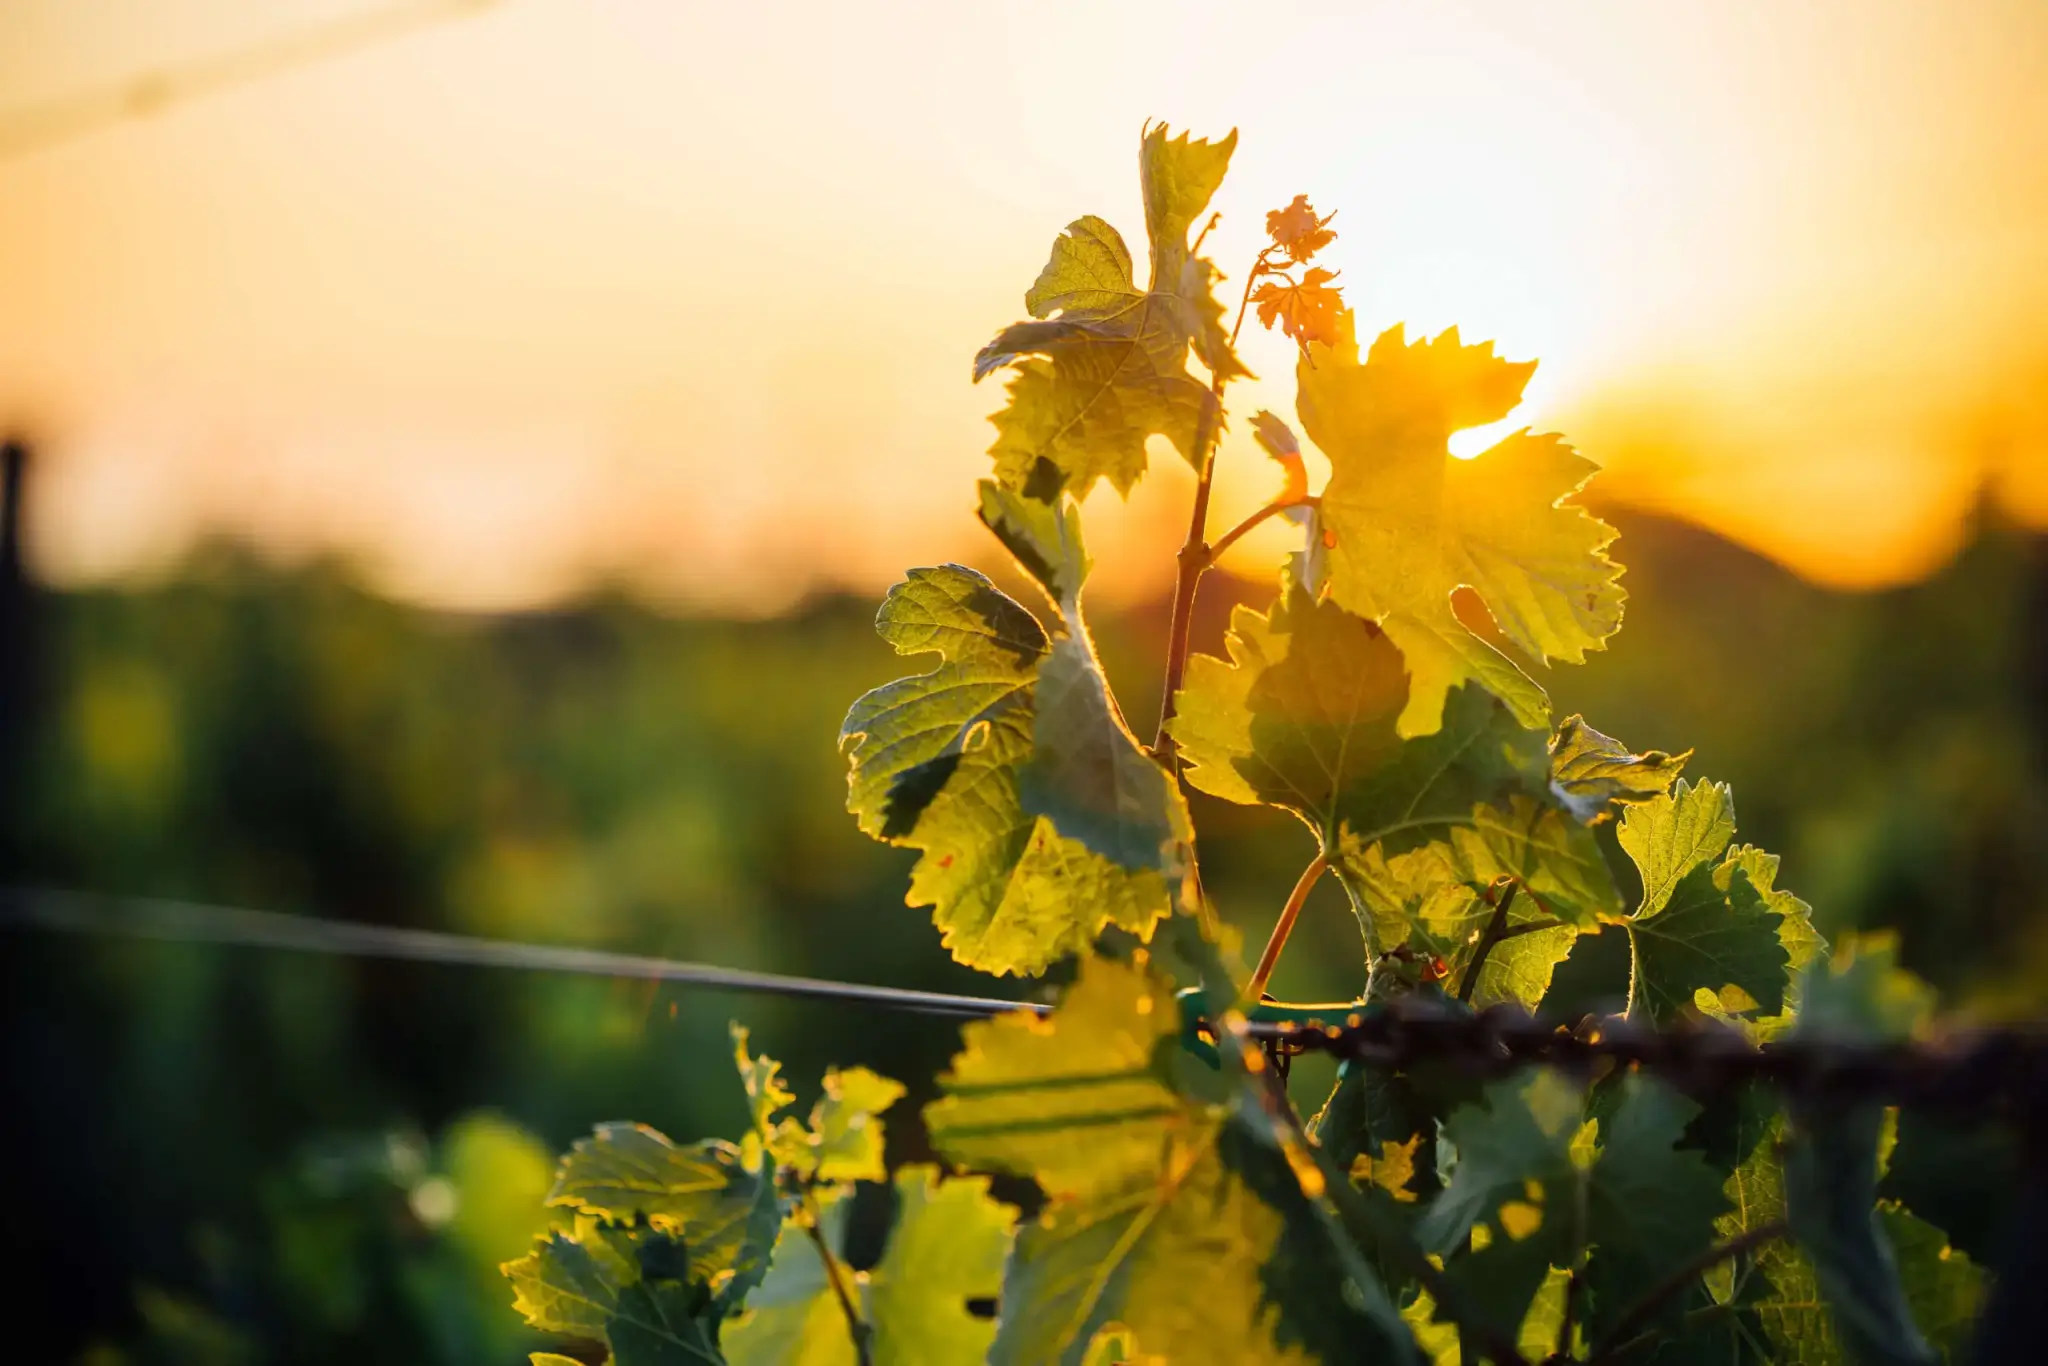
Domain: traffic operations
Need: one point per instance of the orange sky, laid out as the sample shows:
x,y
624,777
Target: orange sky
x,y
687,293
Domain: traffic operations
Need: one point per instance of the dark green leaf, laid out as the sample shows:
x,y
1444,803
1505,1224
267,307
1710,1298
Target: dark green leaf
x,y
1302,717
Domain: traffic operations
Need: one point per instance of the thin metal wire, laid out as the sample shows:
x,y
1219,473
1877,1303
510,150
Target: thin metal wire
x,y
196,922
1977,1072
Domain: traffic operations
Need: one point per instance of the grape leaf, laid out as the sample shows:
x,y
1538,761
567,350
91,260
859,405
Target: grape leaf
x,y
1538,1184
1781,1291
1430,898
945,1247
1297,231
1944,1288
761,1077
1302,717
1306,310
635,1290
664,1323
1406,524
562,1287
1832,1159
1589,769
795,1318
1089,775
1211,340
1073,1101
845,1138
1044,538
1669,838
1152,1221
1086,771
1802,943
1102,366
1702,925
1651,1205
1176,1257
939,763
701,1193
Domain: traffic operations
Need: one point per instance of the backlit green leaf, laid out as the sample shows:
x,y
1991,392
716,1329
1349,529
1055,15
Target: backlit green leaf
x,y
1430,898
636,1290
562,1287
1103,364
845,1130
1152,1221
947,1248
1044,538
939,761
1703,926
701,1193
1409,524
1302,717
1591,769
795,1318
1075,1100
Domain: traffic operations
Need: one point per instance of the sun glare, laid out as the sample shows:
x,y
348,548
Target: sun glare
x,y
690,308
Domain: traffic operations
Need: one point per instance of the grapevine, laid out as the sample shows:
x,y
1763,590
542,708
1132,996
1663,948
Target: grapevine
x,y
1689,1180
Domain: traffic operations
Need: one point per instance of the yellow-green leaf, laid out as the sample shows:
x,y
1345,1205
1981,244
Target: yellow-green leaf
x,y
937,762
947,1247
561,1287
1591,769
702,1193
1409,524
846,1131
1430,898
1073,1100
1102,366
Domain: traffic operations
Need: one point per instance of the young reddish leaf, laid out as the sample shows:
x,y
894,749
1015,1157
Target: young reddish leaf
x,y
1277,439
1297,231
1307,311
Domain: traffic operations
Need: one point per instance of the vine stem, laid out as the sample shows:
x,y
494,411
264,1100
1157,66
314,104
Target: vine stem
x,y
1628,1334
1195,555
1496,927
835,1271
1284,926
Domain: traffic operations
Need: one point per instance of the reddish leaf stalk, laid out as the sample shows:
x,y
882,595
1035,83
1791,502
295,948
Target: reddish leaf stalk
x,y
1284,926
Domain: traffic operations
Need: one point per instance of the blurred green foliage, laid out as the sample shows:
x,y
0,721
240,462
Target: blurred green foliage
x,y
235,1135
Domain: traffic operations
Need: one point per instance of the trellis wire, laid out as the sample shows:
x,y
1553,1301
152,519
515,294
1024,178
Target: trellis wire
x,y
233,927
1993,1073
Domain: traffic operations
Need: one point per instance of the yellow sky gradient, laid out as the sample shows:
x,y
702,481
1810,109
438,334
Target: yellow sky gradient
x,y
686,293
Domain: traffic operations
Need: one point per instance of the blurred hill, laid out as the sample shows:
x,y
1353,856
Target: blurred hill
x,y
607,776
